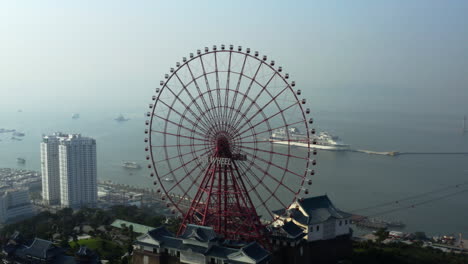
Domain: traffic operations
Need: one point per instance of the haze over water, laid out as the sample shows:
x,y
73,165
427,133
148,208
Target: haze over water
x,y
384,76
352,180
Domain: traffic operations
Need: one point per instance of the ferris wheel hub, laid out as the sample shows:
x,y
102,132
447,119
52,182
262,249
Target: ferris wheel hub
x,y
223,148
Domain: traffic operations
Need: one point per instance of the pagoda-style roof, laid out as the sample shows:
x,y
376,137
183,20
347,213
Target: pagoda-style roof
x,y
199,233
313,210
203,240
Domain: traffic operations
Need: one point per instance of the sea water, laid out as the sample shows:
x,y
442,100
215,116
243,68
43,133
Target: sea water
x,y
351,180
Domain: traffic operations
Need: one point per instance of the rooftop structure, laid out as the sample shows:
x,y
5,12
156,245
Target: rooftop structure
x,y
20,250
318,217
198,244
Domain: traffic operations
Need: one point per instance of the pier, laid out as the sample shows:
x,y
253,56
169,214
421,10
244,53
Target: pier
x,y
397,153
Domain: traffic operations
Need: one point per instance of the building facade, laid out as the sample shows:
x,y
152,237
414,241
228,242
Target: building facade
x,y
318,217
50,169
15,204
69,170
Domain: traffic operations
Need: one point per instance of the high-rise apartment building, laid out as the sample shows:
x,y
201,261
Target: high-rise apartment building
x,y
69,170
50,168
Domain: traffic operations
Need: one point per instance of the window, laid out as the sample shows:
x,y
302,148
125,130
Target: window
x,y
340,222
317,229
346,222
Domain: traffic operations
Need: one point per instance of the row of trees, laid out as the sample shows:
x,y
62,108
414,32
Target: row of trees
x,y
67,223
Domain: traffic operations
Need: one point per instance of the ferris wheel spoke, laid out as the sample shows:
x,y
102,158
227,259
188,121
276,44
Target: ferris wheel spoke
x,y
195,180
189,175
178,135
226,95
172,146
207,83
270,130
276,153
256,98
273,164
179,167
177,96
265,172
195,124
264,106
236,92
260,181
189,94
185,154
199,91
270,117
179,125
246,94
252,186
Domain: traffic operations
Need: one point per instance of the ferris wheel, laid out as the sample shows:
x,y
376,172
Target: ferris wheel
x,y
224,135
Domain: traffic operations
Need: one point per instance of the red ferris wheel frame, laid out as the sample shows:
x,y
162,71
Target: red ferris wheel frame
x,y
210,140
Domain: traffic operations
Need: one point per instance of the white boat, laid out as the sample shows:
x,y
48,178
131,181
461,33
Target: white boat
x,y
131,165
294,137
168,179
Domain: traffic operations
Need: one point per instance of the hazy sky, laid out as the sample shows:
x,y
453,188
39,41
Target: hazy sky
x,y
346,55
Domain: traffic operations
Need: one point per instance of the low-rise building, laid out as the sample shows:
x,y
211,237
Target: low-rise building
x,y
15,204
197,245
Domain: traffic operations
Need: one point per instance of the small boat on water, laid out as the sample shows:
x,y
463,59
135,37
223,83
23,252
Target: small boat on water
x,y
121,118
18,134
75,116
21,160
131,165
168,179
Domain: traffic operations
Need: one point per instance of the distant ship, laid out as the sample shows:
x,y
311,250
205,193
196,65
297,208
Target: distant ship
x,y
20,160
75,116
131,165
18,134
3,130
324,140
168,179
121,118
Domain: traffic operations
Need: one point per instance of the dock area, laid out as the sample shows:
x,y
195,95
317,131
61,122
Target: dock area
x,y
398,153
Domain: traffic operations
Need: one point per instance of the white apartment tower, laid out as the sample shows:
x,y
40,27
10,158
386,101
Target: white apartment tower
x,y
69,170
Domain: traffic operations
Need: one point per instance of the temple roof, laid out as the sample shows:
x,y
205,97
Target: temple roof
x,y
200,233
317,210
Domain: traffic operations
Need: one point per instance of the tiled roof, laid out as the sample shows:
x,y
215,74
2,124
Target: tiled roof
x,y
255,251
220,252
39,248
319,209
205,235
200,233
292,229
